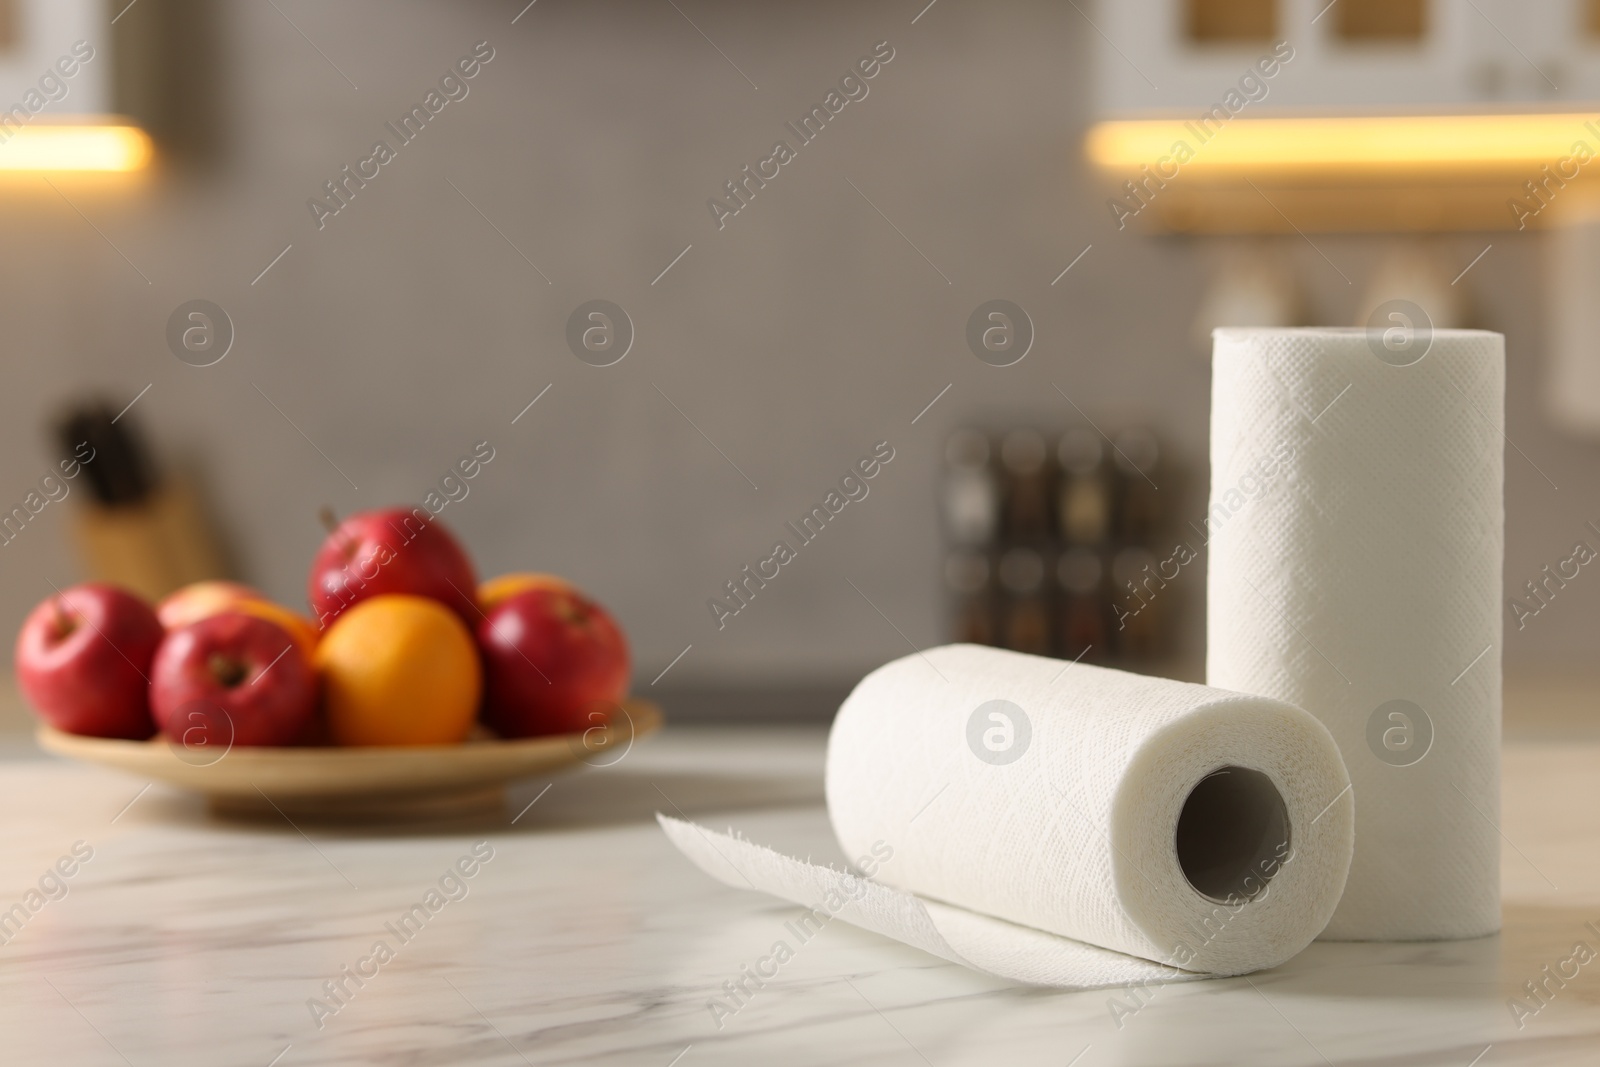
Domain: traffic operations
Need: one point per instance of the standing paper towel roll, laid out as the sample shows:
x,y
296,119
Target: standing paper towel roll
x,y
1186,826
1356,532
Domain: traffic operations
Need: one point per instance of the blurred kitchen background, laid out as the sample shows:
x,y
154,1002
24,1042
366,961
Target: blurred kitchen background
x,y
771,352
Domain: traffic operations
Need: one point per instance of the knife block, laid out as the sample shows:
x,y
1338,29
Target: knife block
x,y
150,547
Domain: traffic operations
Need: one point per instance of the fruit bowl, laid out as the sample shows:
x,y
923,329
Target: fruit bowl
x,y
368,783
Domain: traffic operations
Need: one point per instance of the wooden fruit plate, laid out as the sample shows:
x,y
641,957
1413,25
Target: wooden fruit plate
x,y
363,783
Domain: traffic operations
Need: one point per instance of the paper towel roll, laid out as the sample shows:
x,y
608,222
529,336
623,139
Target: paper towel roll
x,y
1356,537
1020,797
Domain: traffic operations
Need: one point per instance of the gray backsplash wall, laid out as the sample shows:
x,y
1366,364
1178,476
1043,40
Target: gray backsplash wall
x,y
805,330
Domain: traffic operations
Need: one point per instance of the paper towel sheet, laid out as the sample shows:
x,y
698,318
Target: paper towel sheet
x,y
1067,825
980,942
1356,538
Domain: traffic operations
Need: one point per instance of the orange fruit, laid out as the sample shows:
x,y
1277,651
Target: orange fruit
x,y
506,586
399,670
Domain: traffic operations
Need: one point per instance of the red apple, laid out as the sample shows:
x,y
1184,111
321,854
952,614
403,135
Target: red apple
x,y
392,550
83,661
232,679
550,656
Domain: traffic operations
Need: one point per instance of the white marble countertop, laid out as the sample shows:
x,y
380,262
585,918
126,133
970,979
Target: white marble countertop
x,y
586,938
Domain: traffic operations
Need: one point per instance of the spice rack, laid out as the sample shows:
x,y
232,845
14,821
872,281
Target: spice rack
x,y
1051,541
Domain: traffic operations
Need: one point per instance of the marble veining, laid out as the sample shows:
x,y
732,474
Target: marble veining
x,y
586,938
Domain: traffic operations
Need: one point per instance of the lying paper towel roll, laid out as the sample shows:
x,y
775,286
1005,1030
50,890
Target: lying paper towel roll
x,y
1019,797
1356,536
